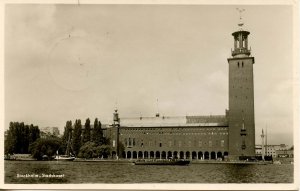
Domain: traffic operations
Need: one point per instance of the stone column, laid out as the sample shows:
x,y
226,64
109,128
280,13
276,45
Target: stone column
x,y
235,40
197,155
126,155
202,156
143,155
241,40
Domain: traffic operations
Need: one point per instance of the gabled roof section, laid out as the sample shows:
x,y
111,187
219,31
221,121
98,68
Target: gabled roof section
x,y
218,119
167,121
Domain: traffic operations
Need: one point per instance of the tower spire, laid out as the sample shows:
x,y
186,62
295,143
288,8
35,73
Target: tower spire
x,y
241,23
262,144
157,113
241,39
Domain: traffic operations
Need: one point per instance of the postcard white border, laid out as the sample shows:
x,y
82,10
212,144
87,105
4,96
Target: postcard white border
x,y
294,186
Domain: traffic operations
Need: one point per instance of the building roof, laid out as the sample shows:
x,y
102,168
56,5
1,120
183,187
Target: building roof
x,y
167,121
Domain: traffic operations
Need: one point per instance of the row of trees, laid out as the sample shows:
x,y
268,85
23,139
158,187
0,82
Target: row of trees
x,y
87,142
19,137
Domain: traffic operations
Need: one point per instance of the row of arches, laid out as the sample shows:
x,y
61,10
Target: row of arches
x,y
175,154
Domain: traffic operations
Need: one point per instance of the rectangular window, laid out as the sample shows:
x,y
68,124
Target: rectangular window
x,y
210,143
200,143
222,143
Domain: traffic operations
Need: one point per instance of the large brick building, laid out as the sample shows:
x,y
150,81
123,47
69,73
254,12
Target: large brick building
x,y
228,136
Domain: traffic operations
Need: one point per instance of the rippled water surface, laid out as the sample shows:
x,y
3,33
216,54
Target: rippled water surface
x,y
100,172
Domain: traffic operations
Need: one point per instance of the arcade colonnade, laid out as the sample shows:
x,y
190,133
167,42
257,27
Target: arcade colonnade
x,y
192,155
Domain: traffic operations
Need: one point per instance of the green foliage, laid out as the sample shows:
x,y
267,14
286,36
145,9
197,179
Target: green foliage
x,y
88,150
97,135
86,132
86,143
67,136
45,146
91,150
19,137
76,141
104,151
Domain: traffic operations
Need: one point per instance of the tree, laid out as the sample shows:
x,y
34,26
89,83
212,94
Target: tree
x,y
45,146
98,133
11,139
88,150
103,151
19,137
34,133
86,132
76,141
67,136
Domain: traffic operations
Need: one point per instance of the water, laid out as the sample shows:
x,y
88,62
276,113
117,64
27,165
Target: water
x,y
99,172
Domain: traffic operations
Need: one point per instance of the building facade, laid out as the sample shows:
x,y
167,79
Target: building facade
x,y
271,150
217,137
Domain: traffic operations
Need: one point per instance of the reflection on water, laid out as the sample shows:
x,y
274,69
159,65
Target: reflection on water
x,y
99,172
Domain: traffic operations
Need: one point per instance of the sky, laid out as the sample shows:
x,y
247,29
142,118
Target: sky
x,y
67,62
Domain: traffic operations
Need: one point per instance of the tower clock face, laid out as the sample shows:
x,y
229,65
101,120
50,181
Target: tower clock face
x,y
72,61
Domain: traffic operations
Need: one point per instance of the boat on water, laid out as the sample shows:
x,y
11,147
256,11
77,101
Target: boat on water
x,y
68,156
162,162
277,162
64,158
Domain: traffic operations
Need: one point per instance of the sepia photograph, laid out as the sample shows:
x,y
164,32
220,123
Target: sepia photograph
x,y
149,95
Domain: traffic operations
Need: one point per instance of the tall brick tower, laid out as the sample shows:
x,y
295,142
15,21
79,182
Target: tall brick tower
x,y
241,98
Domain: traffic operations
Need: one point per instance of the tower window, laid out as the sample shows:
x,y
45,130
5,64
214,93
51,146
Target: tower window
x,y
238,64
242,64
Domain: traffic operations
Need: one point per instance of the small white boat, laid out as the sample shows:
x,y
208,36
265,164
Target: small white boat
x,y
64,158
277,162
68,155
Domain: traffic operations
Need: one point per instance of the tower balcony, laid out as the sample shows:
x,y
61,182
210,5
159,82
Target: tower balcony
x,y
240,51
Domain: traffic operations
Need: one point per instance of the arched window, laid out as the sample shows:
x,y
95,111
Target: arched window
x,y
129,142
238,64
